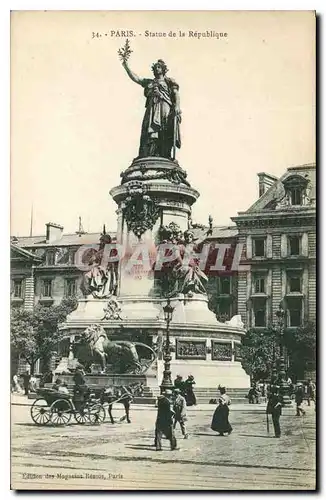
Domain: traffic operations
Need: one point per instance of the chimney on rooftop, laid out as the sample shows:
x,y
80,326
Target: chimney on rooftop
x,y
53,232
265,182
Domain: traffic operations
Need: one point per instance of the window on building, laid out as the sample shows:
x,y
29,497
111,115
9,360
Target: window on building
x,y
259,284
294,245
294,312
296,195
47,288
18,288
72,256
294,282
224,310
259,310
71,287
225,285
62,256
50,258
295,188
259,247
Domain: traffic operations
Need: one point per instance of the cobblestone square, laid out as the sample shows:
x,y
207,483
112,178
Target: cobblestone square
x,y
122,456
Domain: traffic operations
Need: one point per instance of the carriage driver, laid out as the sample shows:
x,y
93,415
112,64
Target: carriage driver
x,y
80,387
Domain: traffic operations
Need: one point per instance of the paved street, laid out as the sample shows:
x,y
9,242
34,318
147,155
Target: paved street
x,y
122,455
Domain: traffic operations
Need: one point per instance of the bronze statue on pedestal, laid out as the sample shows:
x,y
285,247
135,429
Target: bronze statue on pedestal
x,y
160,133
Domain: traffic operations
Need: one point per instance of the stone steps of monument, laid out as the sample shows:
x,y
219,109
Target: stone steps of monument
x,y
207,391
205,394
144,400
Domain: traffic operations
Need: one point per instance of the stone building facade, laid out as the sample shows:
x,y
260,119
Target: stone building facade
x,y
276,235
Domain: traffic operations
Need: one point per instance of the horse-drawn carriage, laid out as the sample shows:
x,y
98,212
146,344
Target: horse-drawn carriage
x,y
56,408
87,406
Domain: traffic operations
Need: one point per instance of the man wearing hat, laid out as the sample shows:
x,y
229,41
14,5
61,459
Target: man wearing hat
x,y
80,387
179,383
164,421
274,408
299,396
180,416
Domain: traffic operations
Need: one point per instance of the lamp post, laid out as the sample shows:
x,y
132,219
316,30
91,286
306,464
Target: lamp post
x,y
284,386
274,369
167,382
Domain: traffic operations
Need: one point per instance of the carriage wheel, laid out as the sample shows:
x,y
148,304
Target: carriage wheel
x,y
40,412
60,412
96,414
81,416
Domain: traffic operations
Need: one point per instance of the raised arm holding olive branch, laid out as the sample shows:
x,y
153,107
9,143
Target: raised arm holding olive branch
x,y
160,133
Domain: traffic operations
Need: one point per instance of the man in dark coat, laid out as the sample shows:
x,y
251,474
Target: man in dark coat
x,y
164,421
80,387
299,396
79,377
179,384
274,408
26,379
311,389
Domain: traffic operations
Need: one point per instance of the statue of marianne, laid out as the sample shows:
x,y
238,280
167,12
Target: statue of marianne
x,y
160,133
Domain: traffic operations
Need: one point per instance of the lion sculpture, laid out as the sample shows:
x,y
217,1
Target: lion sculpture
x,y
94,346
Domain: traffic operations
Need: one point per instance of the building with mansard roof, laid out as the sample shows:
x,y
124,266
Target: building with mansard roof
x,y
276,236
278,233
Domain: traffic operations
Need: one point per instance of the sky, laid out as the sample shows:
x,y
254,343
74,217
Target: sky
x,y
247,100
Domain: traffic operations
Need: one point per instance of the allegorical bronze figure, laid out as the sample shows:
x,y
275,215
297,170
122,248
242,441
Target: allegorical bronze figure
x,y
160,133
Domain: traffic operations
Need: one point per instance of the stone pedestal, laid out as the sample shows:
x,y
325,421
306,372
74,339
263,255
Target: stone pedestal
x,y
154,192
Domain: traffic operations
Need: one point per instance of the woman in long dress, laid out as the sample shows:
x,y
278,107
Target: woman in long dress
x,y
220,422
160,131
189,391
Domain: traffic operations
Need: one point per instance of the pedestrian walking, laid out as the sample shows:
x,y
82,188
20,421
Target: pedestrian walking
x,y
274,408
253,394
164,421
189,391
26,379
179,384
16,385
223,395
311,390
315,398
127,397
180,414
264,390
220,422
299,395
